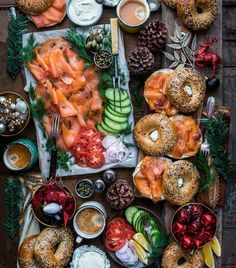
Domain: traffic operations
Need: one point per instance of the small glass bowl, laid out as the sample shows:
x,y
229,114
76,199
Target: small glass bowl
x,y
89,182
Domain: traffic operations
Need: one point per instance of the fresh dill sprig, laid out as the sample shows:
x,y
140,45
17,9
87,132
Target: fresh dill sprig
x,y
77,40
29,51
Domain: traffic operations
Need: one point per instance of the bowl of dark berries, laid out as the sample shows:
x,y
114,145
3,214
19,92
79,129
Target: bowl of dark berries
x,y
103,59
84,188
193,225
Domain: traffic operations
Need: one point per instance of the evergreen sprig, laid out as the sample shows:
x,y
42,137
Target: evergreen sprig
x,y
16,28
29,50
208,176
12,197
77,40
37,109
217,135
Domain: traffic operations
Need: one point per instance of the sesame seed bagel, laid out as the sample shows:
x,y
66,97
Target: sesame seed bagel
x,y
173,253
197,15
25,256
165,134
33,7
170,3
54,247
186,89
180,182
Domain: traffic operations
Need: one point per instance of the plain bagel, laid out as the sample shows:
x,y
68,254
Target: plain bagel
x,y
180,182
54,247
186,89
173,253
197,14
25,256
155,134
33,7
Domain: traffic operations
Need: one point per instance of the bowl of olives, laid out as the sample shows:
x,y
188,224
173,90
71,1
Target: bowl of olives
x,y
94,41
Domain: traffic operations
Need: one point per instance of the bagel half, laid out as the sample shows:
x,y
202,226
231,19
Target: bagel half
x,y
33,7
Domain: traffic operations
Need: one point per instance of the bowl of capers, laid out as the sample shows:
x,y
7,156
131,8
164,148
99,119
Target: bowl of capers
x,y
84,188
103,59
94,41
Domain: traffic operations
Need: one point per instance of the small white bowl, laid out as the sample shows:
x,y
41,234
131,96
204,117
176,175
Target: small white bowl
x,y
87,22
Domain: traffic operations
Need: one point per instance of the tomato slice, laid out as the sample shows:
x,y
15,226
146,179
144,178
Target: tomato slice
x,y
88,131
95,159
96,137
81,158
95,147
114,246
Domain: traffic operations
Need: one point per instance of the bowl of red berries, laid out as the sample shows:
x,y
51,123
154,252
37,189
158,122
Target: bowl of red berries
x,y
193,226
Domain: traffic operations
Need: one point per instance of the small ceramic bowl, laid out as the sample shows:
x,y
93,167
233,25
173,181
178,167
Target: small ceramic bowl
x,y
109,60
95,205
205,209
38,212
130,28
15,96
90,183
88,21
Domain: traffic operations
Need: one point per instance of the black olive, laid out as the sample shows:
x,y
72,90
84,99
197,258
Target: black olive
x,y
212,84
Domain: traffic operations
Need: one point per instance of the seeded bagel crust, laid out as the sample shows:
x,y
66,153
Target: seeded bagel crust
x,y
33,7
25,254
173,253
180,78
170,3
188,172
194,20
166,134
54,247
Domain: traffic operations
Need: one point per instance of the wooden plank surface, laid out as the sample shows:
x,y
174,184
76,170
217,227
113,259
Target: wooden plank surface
x,y
8,247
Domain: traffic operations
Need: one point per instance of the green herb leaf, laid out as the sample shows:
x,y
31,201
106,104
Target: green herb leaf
x,y
31,92
16,28
29,50
38,109
77,40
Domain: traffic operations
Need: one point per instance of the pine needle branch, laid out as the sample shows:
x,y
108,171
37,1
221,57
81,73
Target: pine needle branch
x,y
16,28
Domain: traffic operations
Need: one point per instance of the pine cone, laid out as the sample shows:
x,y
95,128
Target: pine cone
x,y
120,194
153,36
140,61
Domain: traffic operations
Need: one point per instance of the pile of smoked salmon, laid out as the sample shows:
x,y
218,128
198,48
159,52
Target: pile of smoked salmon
x,y
148,177
53,15
67,87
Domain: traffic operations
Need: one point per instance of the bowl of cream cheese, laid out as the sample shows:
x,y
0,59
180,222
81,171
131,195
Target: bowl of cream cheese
x,y
84,12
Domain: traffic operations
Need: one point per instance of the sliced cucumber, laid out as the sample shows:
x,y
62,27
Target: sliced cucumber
x,y
108,129
101,129
116,127
108,108
118,119
135,218
123,103
129,213
124,110
119,95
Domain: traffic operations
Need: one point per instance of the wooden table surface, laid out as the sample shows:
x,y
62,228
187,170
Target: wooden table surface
x,y
8,247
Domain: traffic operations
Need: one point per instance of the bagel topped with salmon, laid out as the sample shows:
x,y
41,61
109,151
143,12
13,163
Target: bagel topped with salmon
x,y
43,13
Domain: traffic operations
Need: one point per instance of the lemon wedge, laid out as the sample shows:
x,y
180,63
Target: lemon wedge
x,y
138,237
141,253
215,245
208,255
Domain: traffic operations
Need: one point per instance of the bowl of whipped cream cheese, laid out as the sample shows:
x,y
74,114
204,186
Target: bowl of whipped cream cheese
x,y
84,12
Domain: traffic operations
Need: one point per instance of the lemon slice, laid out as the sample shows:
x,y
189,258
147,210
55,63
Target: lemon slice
x,y
138,237
208,255
215,245
141,253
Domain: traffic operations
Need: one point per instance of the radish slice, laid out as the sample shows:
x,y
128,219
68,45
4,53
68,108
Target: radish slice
x,y
108,141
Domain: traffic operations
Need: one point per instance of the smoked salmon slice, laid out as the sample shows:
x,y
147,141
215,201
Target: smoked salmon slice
x,y
65,107
53,14
37,71
142,185
59,4
39,20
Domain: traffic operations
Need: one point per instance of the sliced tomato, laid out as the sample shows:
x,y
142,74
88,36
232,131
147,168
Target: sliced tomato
x,y
81,158
88,131
95,159
95,147
114,246
97,137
